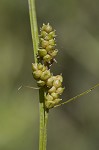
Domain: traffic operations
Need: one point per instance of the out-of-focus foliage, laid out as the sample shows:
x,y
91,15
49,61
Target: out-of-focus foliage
x,y
75,125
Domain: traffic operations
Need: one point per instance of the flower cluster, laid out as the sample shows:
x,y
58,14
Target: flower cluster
x,y
47,51
54,84
41,72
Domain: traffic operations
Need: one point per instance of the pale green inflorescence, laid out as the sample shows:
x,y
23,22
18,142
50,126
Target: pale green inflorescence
x,y
47,50
41,72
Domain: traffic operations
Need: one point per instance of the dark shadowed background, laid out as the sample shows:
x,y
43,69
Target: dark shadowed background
x,y
74,126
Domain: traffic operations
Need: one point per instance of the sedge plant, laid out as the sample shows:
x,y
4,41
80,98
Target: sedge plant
x,y
50,86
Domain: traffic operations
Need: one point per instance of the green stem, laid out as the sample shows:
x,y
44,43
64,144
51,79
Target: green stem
x,y
35,39
77,96
42,119
34,27
45,129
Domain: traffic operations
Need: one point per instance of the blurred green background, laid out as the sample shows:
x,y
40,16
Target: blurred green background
x,y
74,126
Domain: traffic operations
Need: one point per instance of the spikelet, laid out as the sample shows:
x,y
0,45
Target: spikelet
x,y
40,73
47,50
54,84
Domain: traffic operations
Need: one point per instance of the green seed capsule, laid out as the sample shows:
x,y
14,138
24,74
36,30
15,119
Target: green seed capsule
x,y
49,82
40,83
53,89
47,58
49,104
48,97
52,42
44,34
44,68
42,52
48,37
52,34
34,66
45,75
47,28
40,66
37,74
59,77
57,101
54,95
49,48
44,43
57,83
53,53
60,90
